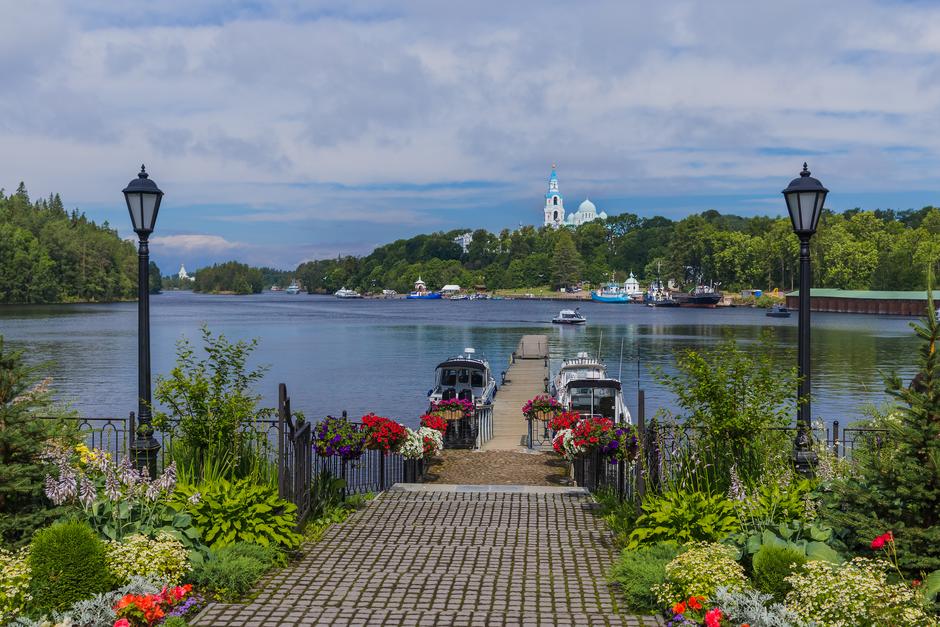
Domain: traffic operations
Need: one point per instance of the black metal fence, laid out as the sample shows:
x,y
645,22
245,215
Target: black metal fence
x,y
471,432
664,447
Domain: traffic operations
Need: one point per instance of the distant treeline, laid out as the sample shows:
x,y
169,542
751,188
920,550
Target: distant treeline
x,y
48,254
852,250
238,278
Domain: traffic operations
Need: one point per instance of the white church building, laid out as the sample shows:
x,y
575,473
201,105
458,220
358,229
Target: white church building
x,y
555,207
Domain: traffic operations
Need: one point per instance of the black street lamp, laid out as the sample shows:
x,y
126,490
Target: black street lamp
x,y
805,197
143,202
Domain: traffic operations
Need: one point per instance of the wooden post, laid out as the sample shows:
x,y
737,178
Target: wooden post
x,y
281,442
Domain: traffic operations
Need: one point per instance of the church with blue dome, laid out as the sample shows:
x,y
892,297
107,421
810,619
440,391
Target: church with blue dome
x,y
555,207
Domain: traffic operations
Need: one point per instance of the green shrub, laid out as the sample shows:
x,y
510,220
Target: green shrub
x,y
854,593
700,571
240,511
68,564
232,570
682,517
771,566
14,583
161,559
175,621
638,570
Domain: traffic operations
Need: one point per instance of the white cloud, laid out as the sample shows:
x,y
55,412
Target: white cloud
x,y
193,243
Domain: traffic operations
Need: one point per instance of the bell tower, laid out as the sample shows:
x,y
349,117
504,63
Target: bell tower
x,y
554,202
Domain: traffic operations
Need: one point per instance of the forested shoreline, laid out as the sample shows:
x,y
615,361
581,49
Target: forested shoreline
x,y
49,254
881,250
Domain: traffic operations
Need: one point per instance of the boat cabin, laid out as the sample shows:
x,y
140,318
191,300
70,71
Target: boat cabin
x,y
597,397
466,377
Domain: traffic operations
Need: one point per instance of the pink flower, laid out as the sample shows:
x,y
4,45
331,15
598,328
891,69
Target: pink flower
x,y
713,617
122,622
878,542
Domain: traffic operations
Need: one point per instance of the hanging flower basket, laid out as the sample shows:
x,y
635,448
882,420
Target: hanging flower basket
x,y
452,409
543,407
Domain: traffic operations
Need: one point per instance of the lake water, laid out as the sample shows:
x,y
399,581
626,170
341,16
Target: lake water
x,y
375,355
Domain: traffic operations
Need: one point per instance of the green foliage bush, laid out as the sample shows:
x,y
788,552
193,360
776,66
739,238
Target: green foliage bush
x,y
240,511
771,566
67,564
896,483
853,593
163,558
700,571
730,400
174,621
638,570
23,395
213,411
683,517
14,583
232,570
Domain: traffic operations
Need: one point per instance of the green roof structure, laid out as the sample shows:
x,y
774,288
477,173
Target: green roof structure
x,y
819,292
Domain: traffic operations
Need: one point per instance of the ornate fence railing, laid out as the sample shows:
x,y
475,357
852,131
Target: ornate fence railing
x,y
470,432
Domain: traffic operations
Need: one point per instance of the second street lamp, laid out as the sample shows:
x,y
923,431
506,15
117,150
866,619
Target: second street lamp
x,y
805,197
143,202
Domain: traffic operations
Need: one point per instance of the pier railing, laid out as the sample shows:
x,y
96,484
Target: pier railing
x,y
471,431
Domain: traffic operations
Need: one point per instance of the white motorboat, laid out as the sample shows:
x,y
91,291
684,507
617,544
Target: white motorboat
x,y
344,293
465,376
293,288
569,316
583,385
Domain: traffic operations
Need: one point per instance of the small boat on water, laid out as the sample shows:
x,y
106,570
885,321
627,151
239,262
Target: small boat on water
x,y
612,293
421,292
344,293
277,288
569,316
293,288
660,298
778,311
583,385
459,297
701,296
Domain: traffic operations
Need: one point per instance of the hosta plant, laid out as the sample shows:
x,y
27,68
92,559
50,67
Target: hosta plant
x,y
240,511
854,593
699,572
163,558
684,516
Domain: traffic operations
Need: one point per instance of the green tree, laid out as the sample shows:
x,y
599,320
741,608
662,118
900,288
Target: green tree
x,y
23,397
896,486
566,261
156,281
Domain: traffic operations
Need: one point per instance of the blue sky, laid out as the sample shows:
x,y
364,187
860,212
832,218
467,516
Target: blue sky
x,y
286,131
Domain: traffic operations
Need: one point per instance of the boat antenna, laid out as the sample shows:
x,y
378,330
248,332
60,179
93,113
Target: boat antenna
x,y
620,371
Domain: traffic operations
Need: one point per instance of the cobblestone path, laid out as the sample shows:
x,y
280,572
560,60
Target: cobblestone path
x,y
497,468
448,555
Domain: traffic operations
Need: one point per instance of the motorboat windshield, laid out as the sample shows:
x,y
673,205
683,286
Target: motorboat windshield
x,y
464,377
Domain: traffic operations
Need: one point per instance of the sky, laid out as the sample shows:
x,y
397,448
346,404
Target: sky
x,y
287,131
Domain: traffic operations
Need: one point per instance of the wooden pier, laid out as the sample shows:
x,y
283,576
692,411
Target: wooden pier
x,y
525,378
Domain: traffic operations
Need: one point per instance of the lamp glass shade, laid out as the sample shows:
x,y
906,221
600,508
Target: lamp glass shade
x,y
143,202
805,198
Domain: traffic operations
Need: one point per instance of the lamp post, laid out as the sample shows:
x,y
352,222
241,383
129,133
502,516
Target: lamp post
x,y
143,202
805,197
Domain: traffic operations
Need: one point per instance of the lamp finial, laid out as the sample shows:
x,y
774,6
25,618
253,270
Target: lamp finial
x,y
143,172
805,171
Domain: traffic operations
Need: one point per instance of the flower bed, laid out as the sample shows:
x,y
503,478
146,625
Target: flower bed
x,y
433,421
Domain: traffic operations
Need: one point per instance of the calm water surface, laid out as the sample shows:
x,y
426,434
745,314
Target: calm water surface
x,y
373,355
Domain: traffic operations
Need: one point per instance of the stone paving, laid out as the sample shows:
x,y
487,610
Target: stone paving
x,y
448,555
497,467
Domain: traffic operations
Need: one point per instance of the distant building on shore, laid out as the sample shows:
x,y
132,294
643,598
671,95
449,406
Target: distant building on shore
x,y
464,241
555,207
902,303
183,276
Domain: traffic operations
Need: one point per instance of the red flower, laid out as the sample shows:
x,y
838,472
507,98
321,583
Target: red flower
x,y
678,608
713,617
916,583
878,542
122,622
694,604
